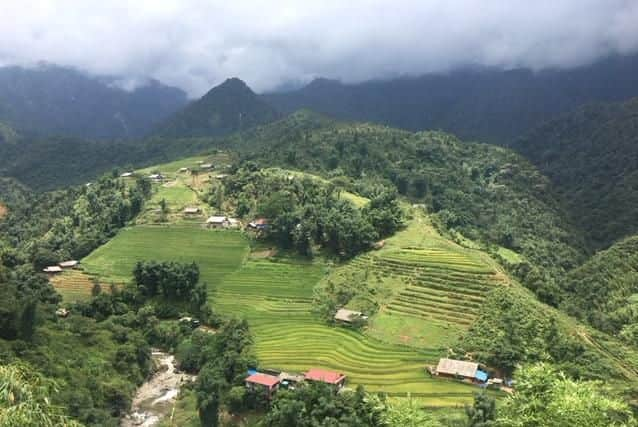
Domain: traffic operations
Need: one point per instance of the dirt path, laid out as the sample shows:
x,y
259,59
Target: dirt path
x,y
155,398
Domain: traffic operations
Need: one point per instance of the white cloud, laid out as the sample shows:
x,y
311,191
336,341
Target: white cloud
x,y
195,44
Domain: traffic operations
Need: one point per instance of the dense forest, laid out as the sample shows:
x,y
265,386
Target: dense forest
x,y
486,193
591,157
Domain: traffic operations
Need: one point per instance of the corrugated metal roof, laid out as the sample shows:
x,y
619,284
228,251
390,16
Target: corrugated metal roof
x,y
345,315
457,367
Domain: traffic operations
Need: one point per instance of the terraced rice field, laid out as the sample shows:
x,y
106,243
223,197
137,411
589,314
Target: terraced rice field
x,y
74,285
442,285
275,296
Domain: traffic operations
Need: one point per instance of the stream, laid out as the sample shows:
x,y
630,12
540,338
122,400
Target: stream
x,y
155,398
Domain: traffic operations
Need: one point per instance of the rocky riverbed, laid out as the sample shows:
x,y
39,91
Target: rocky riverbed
x,y
155,399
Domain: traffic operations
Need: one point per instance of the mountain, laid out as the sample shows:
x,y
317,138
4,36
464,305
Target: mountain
x,y
480,191
591,157
226,108
51,100
604,290
488,105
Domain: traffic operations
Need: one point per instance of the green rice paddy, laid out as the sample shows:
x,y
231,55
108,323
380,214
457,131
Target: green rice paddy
x,y
275,296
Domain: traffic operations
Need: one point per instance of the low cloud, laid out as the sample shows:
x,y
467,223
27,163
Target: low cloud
x,y
195,44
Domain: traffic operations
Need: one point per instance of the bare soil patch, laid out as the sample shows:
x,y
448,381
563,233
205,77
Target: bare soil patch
x,y
3,211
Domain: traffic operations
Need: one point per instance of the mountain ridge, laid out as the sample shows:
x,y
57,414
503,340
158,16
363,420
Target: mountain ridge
x,y
484,104
226,108
51,100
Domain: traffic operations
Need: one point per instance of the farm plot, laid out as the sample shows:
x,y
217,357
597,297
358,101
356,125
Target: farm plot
x,y
275,296
441,285
73,285
216,252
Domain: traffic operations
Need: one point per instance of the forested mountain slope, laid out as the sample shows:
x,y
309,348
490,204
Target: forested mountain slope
x,y
487,193
604,290
226,108
487,105
591,157
50,100
48,163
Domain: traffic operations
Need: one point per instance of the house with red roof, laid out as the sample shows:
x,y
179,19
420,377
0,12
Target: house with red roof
x,y
329,377
267,383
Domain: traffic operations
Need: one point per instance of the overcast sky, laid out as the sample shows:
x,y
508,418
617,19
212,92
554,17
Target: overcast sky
x,y
195,44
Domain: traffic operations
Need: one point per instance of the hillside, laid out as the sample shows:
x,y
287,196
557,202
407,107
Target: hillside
x,y
604,290
426,296
590,157
226,108
51,100
489,105
486,193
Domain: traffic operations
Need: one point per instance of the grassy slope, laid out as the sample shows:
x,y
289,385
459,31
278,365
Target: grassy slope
x,y
275,295
427,288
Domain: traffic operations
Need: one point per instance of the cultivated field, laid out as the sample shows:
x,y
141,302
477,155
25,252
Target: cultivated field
x,y
216,252
275,295
428,289
73,285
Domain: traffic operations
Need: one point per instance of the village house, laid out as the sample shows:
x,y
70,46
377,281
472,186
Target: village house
x,y
460,369
344,315
69,264
217,222
53,269
126,175
62,312
264,382
182,170
329,377
233,223
206,166
290,381
221,176
191,211
259,224
156,177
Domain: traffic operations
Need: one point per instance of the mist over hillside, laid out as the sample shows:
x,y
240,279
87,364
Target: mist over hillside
x,y
53,100
488,105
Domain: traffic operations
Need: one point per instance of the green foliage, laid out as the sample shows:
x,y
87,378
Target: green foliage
x,y
589,155
545,397
489,194
25,399
483,412
223,361
319,405
514,328
304,212
47,228
406,413
603,290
